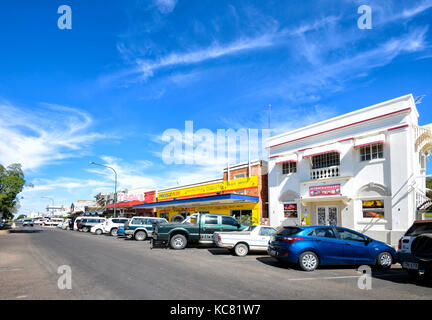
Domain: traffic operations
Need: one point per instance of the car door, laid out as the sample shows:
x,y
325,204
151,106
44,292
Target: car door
x,y
229,224
356,249
263,237
329,248
210,225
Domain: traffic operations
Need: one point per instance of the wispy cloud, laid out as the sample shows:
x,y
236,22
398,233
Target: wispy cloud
x,y
165,6
43,135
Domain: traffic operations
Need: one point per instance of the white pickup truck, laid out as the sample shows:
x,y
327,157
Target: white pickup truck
x,y
253,238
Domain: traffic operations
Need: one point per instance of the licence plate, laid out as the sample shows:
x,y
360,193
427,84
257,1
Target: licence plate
x,y
273,253
410,265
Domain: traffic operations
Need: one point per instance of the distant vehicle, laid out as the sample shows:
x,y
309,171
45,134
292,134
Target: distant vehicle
x,y
415,249
197,228
112,224
1,225
97,228
86,223
66,224
253,238
40,221
52,222
310,246
76,222
142,227
27,223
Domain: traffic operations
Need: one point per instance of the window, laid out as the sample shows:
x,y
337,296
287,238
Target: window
x,y
419,228
290,210
374,151
288,231
266,231
140,221
373,209
164,215
239,175
229,221
243,216
250,228
350,235
323,233
211,220
326,160
289,167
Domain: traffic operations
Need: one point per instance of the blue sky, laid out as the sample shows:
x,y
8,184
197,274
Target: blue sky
x,y
107,89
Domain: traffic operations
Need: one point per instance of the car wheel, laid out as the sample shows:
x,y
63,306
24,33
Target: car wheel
x,y
98,232
178,242
140,235
308,261
384,260
241,249
113,232
85,229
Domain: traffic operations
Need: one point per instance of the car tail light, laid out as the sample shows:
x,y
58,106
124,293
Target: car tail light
x,y
219,239
400,244
291,239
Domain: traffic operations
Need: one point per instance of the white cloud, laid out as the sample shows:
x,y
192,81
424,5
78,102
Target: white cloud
x,y
37,137
165,6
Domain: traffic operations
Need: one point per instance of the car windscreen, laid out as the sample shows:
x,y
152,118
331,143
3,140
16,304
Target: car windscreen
x,y
288,231
250,228
419,228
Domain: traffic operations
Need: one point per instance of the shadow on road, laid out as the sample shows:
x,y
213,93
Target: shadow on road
x,y
25,230
398,275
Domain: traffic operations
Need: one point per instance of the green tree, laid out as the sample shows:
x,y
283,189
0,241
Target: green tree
x,y
11,184
429,183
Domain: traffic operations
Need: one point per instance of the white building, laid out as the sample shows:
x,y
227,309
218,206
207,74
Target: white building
x,y
364,170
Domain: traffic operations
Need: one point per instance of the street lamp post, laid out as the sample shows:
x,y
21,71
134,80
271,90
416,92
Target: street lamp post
x,y
115,184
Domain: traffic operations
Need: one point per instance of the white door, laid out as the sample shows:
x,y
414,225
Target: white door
x,y
327,216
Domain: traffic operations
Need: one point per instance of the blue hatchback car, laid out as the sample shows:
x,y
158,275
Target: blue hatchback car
x,y
311,246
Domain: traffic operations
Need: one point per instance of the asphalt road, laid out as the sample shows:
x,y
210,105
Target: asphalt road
x,y
104,267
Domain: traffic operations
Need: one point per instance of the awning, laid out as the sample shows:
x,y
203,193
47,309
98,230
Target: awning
x,y
315,200
334,147
367,141
202,201
287,158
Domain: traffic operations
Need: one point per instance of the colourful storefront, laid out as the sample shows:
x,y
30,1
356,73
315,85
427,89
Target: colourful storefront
x,y
234,197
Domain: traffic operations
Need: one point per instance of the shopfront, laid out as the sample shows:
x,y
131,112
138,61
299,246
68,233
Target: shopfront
x,y
244,208
217,196
364,170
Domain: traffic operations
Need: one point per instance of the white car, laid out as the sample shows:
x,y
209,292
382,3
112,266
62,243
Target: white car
x,y
40,221
111,225
65,225
253,238
97,228
52,222
78,219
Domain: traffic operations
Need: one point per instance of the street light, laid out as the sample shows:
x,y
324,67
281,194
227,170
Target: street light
x,y
115,185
